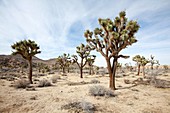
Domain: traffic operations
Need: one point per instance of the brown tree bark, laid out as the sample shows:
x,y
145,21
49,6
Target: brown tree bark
x,y
63,70
81,68
138,69
30,71
112,72
143,70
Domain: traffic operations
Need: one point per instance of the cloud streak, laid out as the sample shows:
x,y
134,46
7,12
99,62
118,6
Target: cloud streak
x,y
58,26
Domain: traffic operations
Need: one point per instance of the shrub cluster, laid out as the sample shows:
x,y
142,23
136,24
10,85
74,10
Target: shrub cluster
x,y
21,84
82,106
55,78
44,83
100,91
94,81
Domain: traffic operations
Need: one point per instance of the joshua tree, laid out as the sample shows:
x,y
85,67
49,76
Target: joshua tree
x,y
84,52
40,66
90,61
119,66
152,61
111,38
27,49
64,61
143,62
129,66
137,59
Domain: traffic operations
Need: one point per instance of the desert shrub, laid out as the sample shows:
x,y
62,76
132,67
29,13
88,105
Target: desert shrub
x,y
97,91
44,83
100,91
55,78
77,83
87,107
77,107
21,84
158,83
110,93
94,81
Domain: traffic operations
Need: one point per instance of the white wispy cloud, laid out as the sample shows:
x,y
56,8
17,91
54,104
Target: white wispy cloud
x,y
58,25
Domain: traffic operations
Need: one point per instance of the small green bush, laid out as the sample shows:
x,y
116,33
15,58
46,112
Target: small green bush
x,y
44,83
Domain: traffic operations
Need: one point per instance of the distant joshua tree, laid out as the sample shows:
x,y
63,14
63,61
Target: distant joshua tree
x,y
64,61
90,61
27,49
137,59
111,38
153,61
84,52
40,66
141,61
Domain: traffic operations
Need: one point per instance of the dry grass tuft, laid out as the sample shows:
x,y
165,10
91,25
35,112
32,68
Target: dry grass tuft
x,y
94,81
101,91
44,83
78,107
21,84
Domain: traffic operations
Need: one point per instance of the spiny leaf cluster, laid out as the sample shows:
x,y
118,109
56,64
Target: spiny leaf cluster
x,y
141,60
113,36
26,48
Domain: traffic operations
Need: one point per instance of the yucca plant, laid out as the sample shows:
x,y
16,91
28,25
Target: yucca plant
x,y
83,52
144,61
90,61
64,61
27,49
153,61
137,59
111,38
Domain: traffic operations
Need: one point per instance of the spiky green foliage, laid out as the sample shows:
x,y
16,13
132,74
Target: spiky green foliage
x,y
141,61
27,49
40,66
90,61
64,61
137,59
153,61
111,38
83,52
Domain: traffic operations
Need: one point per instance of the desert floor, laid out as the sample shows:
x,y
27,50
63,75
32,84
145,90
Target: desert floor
x,y
129,98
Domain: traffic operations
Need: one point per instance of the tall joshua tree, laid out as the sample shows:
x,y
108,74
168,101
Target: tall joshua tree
x,y
27,49
111,38
90,61
137,59
83,51
64,61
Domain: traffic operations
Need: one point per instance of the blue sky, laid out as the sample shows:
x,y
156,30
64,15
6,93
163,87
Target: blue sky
x,y
58,26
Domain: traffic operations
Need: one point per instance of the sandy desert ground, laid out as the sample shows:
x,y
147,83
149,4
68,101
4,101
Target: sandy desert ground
x,y
129,98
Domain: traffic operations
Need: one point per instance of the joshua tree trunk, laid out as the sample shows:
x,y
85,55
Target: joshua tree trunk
x,y
90,70
138,69
30,71
143,70
63,70
81,72
81,69
112,72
